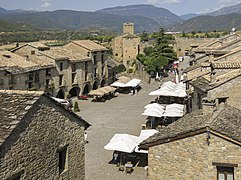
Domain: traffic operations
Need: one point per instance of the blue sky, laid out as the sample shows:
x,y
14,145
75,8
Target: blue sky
x,y
178,7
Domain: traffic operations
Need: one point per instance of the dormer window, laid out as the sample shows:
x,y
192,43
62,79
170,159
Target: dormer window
x,y
222,100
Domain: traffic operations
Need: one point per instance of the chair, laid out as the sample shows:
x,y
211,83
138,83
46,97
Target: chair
x,y
129,167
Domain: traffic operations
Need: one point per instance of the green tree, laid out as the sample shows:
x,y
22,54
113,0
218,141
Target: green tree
x,y
160,55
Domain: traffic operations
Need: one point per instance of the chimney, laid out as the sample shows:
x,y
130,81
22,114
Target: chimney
x,y
208,104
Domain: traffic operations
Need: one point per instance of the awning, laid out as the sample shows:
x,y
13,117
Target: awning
x,y
124,83
102,91
145,134
170,89
122,142
157,110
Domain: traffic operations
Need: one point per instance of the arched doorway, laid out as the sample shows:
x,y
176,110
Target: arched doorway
x,y
103,82
95,85
86,89
74,91
60,94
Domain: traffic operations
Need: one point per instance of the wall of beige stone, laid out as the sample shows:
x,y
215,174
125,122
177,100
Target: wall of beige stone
x,y
185,44
130,49
230,89
33,146
191,158
116,45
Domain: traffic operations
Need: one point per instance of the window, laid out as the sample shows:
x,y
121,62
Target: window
x,y
222,100
102,58
86,66
47,83
30,85
30,76
48,72
61,80
95,60
95,72
73,67
225,173
36,77
61,66
63,159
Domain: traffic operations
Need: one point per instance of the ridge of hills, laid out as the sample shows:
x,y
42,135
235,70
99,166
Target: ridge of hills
x,y
145,17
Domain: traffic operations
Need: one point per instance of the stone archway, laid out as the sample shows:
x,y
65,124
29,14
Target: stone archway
x,y
86,89
74,91
60,94
95,85
103,83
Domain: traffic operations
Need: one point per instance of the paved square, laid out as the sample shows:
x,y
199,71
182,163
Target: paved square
x,y
118,115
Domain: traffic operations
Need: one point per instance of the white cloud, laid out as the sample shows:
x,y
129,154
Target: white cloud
x,y
224,3
163,1
46,3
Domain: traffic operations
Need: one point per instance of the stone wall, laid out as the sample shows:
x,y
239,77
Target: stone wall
x,y
230,89
33,146
191,158
183,44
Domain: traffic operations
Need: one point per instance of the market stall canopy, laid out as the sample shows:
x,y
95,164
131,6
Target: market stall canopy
x,y
154,105
122,82
144,134
122,142
174,110
157,110
102,91
133,83
153,113
170,89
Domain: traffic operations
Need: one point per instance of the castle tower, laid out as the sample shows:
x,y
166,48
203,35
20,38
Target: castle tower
x,y
128,28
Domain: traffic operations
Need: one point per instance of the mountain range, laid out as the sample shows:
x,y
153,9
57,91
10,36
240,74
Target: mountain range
x,y
145,17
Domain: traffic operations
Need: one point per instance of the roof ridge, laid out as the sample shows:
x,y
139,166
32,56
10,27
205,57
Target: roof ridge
x,y
22,92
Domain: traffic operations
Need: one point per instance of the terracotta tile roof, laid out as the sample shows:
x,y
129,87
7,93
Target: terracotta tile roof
x,y
226,121
9,59
38,45
61,53
204,84
14,106
90,45
226,65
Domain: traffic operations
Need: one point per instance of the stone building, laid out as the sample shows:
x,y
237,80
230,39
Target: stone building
x,y
98,55
17,72
126,46
220,85
71,72
201,145
39,139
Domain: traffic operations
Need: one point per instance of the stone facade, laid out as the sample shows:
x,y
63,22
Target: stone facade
x,y
192,158
74,69
227,89
127,46
33,148
98,66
